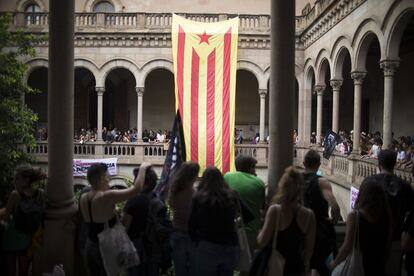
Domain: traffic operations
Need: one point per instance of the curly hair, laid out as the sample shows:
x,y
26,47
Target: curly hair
x,y
290,187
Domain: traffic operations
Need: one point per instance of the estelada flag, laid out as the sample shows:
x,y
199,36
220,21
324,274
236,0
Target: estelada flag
x,y
205,61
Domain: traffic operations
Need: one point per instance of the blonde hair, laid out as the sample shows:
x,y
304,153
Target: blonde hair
x,y
290,187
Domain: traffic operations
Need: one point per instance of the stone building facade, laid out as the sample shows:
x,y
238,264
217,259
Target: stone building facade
x,y
353,63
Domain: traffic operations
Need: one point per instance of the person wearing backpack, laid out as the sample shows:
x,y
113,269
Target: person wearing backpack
x,y
24,212
145,218
318,197
401,200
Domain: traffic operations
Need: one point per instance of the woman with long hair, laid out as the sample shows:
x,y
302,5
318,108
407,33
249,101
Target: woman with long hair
x,y
98,207
180,195
373,215
211,226
296,226
25,180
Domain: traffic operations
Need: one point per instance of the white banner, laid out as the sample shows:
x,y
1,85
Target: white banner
x,y
80,166
353,196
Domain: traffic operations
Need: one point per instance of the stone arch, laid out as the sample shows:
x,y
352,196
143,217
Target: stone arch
x,y
341,47
21,5
255,70
364,34
119,181
32,65
266,74
396,21
322,65
89,4
87,64
152,65
309,73
114,64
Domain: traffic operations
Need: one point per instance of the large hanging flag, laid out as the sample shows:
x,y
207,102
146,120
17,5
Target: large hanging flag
x,y
205,60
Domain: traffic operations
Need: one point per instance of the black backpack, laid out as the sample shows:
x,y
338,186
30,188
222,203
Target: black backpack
x,y
157,233
29,213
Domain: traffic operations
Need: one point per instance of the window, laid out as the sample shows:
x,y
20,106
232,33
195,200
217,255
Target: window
x,y
32,8
31,17
104,6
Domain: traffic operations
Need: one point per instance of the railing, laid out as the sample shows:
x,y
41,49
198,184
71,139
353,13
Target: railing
x,y
339,169
138,21
319,19
137,152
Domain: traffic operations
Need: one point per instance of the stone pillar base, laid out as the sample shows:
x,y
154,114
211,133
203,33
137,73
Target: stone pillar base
x,y
58,246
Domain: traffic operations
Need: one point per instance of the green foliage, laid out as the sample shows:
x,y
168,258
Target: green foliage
x,y
16,120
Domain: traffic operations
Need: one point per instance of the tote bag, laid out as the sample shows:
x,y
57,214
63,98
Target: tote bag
x,y
244,250
267,260
117,251
352,266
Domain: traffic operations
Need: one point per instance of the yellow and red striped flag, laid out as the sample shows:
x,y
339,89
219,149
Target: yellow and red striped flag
x,y
205,61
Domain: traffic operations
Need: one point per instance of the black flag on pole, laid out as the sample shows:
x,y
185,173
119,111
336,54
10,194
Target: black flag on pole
x,y
175,156
329,143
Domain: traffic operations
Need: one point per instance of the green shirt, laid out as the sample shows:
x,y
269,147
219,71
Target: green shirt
x,y
251,190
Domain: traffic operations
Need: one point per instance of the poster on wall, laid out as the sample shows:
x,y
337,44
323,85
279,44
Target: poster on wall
x,y
353,196
80,166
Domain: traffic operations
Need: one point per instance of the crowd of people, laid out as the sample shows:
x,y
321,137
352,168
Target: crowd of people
x,y
194,223
372,143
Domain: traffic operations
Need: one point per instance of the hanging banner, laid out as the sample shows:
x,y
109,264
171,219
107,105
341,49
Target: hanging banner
x,y
205,64
80,166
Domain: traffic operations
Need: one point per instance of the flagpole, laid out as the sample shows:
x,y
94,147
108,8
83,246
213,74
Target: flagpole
x,y
282,78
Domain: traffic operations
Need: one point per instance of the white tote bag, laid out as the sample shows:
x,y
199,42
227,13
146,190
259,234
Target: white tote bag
x,y
276,262
117,251
353,265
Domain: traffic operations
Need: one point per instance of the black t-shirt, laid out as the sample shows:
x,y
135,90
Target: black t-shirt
x,y
213,223
137,207
314,198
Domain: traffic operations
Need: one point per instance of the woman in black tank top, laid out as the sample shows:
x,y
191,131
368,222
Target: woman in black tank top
x,y
98,207
296,225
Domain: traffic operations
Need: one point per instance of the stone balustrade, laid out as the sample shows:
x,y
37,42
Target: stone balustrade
x,y
318,20
339,169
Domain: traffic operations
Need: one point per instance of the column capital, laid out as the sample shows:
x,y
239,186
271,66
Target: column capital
x,y
319,89
336,84
140,91
389,67
262,92
100,90
358,76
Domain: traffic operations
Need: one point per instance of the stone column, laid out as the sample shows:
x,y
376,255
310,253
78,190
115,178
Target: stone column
x,y
358,78
262,94
282,88
100,92
319,90
307,115
389,67
336,87
58,241
140,96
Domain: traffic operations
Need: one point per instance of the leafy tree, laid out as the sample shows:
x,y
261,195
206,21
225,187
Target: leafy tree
x,y
16,119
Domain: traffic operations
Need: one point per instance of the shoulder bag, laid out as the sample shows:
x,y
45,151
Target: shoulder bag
x,y
353,265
